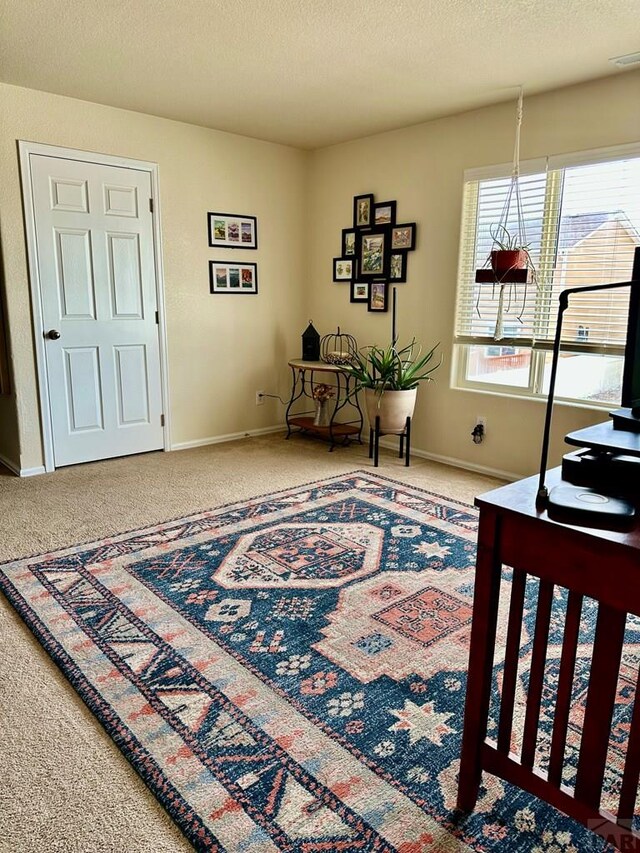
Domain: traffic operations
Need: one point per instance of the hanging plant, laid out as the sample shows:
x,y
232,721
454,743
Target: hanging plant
x,y
507,254
509,263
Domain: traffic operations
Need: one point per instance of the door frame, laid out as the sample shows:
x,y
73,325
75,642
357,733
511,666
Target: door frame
x,y
26,149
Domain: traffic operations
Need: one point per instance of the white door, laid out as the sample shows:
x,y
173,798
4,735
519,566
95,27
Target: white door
x,y
95,259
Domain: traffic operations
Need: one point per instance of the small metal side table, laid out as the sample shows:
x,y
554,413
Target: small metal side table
x,y
345,424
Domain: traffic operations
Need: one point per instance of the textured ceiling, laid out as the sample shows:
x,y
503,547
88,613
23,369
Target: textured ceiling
x,y
309,73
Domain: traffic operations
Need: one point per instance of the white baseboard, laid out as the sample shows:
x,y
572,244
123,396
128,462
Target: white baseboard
x,y
456,463
387,443
21,472
33,472
183,445
232,436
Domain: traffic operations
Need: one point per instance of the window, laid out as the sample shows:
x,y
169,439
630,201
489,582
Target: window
x,y
498,350
581,215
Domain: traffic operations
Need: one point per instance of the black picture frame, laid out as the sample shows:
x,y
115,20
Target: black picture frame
x,y
233,278
389,207
378,301
348,243
366,253
397,267
401,242
232,230
363,211
354,291
340,276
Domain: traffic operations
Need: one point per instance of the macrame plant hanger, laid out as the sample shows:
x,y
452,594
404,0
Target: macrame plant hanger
x,y
513,197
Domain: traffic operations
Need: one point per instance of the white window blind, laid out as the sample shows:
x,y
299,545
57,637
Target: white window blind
x,y
582,223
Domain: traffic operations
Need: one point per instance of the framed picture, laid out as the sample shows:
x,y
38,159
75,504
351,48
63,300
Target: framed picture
x,y
378,296
403,236
398,267
363,211
227,277
384,213
348,242
373,253
343,269
359,291
233,230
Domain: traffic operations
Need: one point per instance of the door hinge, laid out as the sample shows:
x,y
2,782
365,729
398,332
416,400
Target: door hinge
x,y
161,420
157,319
151,205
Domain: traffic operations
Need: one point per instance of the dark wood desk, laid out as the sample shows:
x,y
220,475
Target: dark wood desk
x,y
601,564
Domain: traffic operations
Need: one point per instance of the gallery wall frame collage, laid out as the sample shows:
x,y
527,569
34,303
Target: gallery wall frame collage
x,y
232,231
374,252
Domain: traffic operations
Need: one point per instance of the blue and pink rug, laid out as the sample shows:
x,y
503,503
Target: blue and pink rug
x,y
288,673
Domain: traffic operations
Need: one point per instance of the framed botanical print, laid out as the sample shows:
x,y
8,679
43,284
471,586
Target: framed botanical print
x,y
378,296
373,253
227,277
360,291
398,267
343,269
403,236
363,211
233,231
348,242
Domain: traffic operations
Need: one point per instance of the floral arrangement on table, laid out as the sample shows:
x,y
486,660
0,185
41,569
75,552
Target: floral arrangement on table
x,y
322,392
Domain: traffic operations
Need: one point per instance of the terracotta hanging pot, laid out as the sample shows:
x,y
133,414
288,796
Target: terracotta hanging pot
x,y
503,260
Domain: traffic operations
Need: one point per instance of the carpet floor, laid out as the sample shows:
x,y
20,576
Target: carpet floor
x,y
273,669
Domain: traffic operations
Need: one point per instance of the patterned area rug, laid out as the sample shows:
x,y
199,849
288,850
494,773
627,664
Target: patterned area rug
x,y
288,673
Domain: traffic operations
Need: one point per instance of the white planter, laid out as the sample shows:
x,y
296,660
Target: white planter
x,y
393,407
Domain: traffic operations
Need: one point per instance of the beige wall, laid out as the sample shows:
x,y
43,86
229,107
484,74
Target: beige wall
x,y
422,167
9,439
221,348
9,442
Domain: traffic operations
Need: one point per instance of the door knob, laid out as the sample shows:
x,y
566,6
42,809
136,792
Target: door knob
x,y
53,334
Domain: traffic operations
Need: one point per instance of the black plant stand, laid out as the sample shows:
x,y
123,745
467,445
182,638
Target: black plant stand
x,y
374,442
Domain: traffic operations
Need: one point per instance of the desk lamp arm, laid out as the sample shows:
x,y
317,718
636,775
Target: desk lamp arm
x,y
543,491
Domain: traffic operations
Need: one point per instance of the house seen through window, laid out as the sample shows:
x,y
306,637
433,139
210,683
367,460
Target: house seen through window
x,y
582,335
582,225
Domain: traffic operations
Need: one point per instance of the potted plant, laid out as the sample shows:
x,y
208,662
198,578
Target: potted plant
x,y
390,378
508,253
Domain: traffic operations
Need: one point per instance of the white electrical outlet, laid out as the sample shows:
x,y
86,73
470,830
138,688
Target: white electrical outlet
x,y
259,398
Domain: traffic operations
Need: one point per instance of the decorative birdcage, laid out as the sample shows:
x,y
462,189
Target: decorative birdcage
x,y
338,348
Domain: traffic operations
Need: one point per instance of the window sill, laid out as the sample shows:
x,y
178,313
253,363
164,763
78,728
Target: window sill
x,y
534,398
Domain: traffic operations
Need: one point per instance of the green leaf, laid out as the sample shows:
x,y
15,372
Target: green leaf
x,y
393,369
